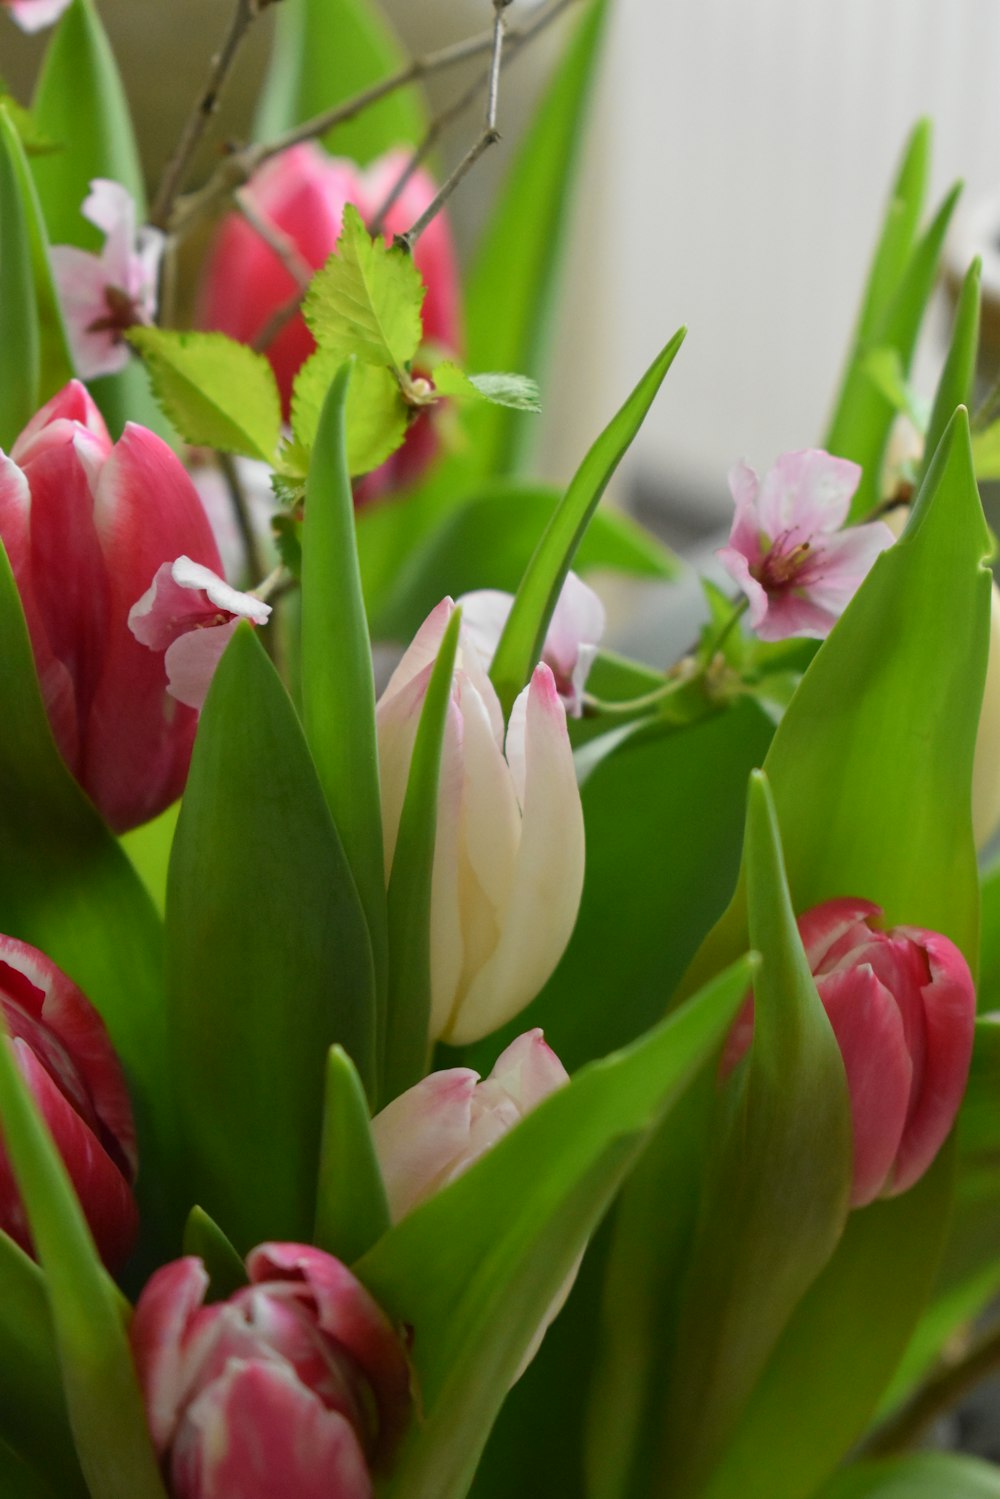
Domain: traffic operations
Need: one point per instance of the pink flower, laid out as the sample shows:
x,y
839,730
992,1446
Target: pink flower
x,y
32,15
295,1386
65,1057
104,295
303,192
508,857
786,549
571,643
190,614
86,525
902,1005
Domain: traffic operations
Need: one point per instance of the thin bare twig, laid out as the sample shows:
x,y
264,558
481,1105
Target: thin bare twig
x,y
276,239
954,1380
241,512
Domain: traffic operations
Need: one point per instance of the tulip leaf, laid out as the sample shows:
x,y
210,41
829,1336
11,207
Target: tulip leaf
x,y
338,688
376,414
920,1475
268,958
512,283
409,894
105,1405
324,54
521,642
20,338
34,1421
957,380
66,886
218,393
352,1211
18,1481
366,300
516,392
986,452
204,1238
473,1270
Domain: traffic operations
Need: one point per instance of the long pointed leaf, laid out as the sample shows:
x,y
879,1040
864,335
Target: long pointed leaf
x,y
352,1210
20,355
955,386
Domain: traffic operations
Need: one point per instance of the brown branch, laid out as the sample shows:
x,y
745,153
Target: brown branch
x,y
950,1384
282,244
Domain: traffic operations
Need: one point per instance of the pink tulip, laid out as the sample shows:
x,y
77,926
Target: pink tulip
x,y
297,1387
786,550
86,524
508,857
902,1005
571,642
65,1057
32,15
102,296
303,193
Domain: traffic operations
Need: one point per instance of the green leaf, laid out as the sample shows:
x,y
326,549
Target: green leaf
x,y
986,452
148,849
885,369
899,229
324,54
521,642
366,300
921,1475
352,1211
517,392
20,339
106,1409
204,1238
955,386
268,958
474,1269
218,393
338,689
376,415
18,1481
512,284
409,894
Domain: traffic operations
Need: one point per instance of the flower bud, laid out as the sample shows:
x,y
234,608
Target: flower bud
x,y
297,1384
902,1005
508,856
86,524
64,1055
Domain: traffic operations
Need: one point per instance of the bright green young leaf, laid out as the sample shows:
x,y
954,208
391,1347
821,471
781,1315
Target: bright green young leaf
x,y
409,894
338,688
986,452
33,1418
148,848
885,369
518,392
352,1211
955,386
899,229
324,54
376,414
920,1475
512,284
218,393
521,642
268,958
474,1269
204,1238
366,300
20,338
33,142
106,1410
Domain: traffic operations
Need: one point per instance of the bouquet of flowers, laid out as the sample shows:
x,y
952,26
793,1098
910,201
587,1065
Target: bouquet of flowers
x,y
521,1069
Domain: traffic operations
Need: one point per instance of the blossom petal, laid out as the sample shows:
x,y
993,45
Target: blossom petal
x,y
82,282
806,494
191,662
33,15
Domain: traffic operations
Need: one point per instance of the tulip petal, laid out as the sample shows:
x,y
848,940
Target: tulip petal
x,y
419,1136
832,929
164,1316
529,1070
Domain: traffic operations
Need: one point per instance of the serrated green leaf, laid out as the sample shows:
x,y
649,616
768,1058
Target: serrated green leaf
x,y
288,540
521,642
204,1238
377,416
352,1211
517,392
366,300
218,393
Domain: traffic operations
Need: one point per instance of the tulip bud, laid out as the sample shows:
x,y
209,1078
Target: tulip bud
x,y
64,1055
508,856
902,1005
86,524
302,193
297,1384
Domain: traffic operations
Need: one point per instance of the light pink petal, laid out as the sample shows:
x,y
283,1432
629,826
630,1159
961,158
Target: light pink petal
x,y
82,281
839,565
806,494
422,1135
167,610
192,659
869,1031
491,821
164,1315
790,614
529,1070
110,208
744,535
421,652
33,15
574,632
484,614
738,568
448,947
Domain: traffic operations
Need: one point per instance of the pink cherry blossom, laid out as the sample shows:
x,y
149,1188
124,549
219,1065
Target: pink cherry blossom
x,y
786,549
571,642
190,613
32,15
104,295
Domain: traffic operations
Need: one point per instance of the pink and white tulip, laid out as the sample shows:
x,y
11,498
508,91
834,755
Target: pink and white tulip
x,y
303,193
102,296
87,524
508,858
297,1387
190,614
786,549
64,1055
902,1005
33,15
571,641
